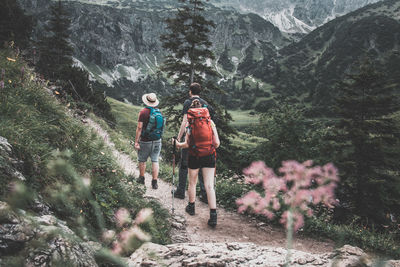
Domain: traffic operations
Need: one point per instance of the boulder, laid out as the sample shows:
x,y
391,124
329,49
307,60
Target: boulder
x,y
245,254
8,164
46,240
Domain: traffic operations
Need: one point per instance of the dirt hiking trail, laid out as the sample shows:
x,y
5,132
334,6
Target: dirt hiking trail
x,y
232,227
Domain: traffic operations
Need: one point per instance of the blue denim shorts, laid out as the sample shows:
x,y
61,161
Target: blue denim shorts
x,y
150,149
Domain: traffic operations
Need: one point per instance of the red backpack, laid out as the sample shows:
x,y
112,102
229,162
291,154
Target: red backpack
x,y
201,133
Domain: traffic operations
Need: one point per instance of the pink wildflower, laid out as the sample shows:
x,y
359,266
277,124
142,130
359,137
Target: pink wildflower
x,y
122,217
275,204
270,215
309,212
139,234
260,205
274,185
116,248
127,236
288,197
299,186
308,163
284,219
292,170
2,84
108,236
249,200
143,215
256,172
298,220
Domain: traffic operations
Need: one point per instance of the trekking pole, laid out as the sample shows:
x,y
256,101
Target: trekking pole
x,y
173,175
215,176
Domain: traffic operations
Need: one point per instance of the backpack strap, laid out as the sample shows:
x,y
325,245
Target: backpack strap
x,y
205,104
144,130
201,100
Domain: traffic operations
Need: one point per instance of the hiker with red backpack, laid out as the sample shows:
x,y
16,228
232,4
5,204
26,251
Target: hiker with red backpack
x,y
194,92
149,131
201,139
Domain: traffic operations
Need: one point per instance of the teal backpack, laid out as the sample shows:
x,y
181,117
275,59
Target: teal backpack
x,y
155,126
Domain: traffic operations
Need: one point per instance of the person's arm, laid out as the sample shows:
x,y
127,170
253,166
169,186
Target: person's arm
x,y
139,128
184,144
183,126
216,141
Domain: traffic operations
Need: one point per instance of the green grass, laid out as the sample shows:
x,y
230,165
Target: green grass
x,y
244,118
246,141
57,150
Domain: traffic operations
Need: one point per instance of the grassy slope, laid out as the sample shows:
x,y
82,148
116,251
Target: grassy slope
x,y
38,126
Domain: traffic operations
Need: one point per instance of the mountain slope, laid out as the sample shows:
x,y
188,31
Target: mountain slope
x,y
296,16
327,54
120,39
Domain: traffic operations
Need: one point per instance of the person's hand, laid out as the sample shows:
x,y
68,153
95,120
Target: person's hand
x,y
137,146
176,142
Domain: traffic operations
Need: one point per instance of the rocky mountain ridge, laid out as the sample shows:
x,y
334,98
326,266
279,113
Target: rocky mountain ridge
x,y
296,16
117,39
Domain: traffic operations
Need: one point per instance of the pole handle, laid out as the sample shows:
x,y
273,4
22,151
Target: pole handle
x,y
173,156
174,150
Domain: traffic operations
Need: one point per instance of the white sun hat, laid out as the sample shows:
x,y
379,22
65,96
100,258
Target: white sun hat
x,y
150,100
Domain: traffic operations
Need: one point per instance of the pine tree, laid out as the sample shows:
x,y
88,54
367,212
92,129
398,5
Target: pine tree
x,y
14,24
368,146
55,49
188,43
189,47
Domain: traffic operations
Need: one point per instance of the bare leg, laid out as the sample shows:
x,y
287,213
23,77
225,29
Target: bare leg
x,y
208,176
155,169
193,173
142,168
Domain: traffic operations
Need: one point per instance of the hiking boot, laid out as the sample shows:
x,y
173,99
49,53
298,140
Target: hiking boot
x,y
140,180
213,219
154,184
203,198
178,194
190,208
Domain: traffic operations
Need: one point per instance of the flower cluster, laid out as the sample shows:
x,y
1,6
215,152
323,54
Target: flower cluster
x,y
130,233
299,187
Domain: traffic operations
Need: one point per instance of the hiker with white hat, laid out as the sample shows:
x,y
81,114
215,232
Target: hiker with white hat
x,y
149,131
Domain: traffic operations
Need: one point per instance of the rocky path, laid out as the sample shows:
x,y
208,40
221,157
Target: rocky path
x,y
231,227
